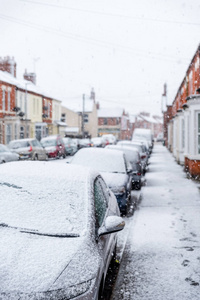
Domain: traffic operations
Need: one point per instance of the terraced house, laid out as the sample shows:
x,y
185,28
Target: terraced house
x,y
25,109
182,120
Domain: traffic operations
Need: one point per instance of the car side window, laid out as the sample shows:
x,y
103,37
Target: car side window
x,y
100,202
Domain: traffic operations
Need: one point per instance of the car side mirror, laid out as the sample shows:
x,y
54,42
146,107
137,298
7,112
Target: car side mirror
x,y
112,224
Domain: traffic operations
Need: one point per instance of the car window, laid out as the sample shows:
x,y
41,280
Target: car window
x,y
100,202
35,143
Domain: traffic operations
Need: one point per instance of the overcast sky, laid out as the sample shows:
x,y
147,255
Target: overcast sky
x,y
125,49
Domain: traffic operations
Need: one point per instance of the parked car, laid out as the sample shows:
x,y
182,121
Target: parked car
x,y
56,242
145,134
70,146
145,143
133,157
109,139
98,142
84,143
6,155
28,149
114,168
54,146
142,151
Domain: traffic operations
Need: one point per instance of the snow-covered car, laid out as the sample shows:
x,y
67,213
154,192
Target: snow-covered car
x,y
113,166
70,146
98,142
7,155
58,231
54,146
144,133
109,139
133,157
29,148
142,150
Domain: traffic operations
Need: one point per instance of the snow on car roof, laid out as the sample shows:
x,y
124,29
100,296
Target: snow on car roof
x,y
103,160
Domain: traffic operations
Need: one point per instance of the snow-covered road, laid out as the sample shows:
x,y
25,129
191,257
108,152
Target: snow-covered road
x,y
161,260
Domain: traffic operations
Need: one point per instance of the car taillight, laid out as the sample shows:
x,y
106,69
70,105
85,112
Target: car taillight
x,y
139,174
30,149
143,156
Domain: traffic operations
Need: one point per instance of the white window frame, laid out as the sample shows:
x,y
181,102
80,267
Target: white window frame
x,y
3,99
9,99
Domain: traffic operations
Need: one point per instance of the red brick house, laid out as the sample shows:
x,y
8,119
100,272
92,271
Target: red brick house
x,y
185,119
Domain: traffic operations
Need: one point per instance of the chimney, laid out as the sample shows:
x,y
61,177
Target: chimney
x,y
30,77
8,64
92,94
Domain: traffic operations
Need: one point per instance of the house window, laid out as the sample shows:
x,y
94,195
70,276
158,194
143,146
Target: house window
x,y
3,99
8,133
86,118
8,100
198,133
16,131
63,117
105,121
21,132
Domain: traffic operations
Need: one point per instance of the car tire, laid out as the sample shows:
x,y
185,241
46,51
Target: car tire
x,y
36,157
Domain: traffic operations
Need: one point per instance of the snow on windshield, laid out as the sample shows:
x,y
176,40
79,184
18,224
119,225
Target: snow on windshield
x,y
44,205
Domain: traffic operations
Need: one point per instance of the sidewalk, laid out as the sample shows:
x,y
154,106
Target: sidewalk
x,y
161,259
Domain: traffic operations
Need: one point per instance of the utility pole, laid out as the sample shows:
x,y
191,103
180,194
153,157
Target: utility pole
x,y
83,115
26,110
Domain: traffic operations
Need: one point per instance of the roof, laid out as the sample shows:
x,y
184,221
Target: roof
x,y
24,84
110,112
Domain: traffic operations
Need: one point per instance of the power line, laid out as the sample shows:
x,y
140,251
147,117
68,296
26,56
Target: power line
x,y
93,41
112,14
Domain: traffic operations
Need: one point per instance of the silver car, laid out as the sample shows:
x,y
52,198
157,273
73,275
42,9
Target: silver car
x,y
58,231
7,155
29,148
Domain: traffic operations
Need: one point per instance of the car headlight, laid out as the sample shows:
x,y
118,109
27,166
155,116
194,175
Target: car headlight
x,y
118,189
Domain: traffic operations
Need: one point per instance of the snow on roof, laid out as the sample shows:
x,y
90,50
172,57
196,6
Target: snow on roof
x,y
76,105
149,119
59,123
110,112
24,84
132,118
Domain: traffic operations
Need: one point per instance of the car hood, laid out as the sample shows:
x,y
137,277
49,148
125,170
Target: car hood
x,y
32,263
115,179
50,148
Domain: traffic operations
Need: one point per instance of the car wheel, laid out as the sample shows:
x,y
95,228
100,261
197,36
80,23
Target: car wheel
x,y
47,157
64,155
36,157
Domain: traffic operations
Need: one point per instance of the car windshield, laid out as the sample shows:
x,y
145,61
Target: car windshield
x,y
3,148
48,143
103,160
19,144
58,209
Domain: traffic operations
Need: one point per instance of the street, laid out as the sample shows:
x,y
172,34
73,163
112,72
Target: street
x,y
161,243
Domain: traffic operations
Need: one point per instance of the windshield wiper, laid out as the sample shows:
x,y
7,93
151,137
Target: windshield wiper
x,y
32,231
60,235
